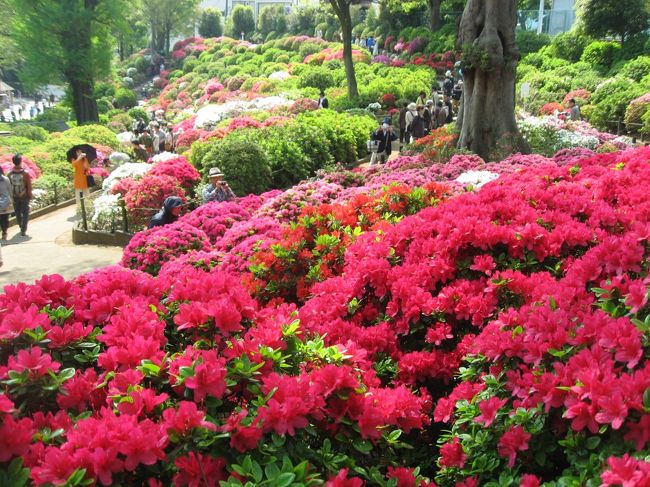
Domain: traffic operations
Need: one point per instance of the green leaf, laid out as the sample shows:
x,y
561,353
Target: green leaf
x,y
285,479
592,443
257,473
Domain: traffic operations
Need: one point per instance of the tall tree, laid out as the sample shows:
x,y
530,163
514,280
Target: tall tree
x,y
487,40
434,8
9,54
167,18
622,18
67,40
241,20
342,10
210,23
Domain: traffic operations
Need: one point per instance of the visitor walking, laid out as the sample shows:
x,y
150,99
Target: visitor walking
x,y
450,113
140,152
21,189
440,116
6,203
81,168
322,101
401,121
411,114
169,213
428,116
421,101
448,84
147,141
418,125
384,138
218,190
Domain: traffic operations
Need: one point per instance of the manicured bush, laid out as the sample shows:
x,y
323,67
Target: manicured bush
x,y
316,77
138,113
611,99
125,98
529,41
601,54
149,250
145,197
244,163
636,110
31,132
636,69
570,45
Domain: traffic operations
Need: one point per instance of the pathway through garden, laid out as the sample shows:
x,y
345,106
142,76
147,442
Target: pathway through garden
x,y
48,249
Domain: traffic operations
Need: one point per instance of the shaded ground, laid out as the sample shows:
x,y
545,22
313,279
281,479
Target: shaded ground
x,y
48,249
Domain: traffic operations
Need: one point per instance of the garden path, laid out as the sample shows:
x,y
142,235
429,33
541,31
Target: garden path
x,y
48,249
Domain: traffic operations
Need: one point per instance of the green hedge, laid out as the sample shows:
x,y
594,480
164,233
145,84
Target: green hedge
x,y
295,150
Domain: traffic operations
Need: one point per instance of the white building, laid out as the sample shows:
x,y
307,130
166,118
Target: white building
x,y
562,16
226,6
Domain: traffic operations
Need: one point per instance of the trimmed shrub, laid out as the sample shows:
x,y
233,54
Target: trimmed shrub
x,y
570,45
31,132
602,54
316,77
529,41
636,69
244,163
611,99
125,98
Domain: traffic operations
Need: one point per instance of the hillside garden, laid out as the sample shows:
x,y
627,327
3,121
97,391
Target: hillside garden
x,y
441,319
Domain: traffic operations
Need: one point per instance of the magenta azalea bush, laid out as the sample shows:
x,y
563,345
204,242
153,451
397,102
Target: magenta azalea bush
x,y
448,336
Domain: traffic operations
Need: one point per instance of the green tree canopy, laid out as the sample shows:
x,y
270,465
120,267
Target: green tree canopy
x,y
67,40
622,18
241,20
210,23
272,19
167,18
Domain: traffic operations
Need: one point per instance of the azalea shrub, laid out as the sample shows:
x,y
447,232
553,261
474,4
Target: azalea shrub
x,y
466,323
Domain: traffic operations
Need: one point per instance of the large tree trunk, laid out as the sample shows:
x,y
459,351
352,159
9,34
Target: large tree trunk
x,y
342,10
85,105
434,11
487,39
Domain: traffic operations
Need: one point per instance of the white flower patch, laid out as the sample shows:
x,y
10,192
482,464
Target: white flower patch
x,y
135,170
106,209
279,76
119,158
476,178
210,115
164,156
125,138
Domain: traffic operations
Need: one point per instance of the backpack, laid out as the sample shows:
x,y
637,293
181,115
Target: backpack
x,y
17,180
418,127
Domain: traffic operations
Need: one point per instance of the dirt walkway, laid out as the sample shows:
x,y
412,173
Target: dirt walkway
x,y
48,249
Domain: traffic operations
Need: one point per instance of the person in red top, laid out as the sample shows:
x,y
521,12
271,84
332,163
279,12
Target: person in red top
x,y
80,182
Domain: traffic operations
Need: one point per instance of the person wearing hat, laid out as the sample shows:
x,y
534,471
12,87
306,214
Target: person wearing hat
x,y
411,114
218,190
169,213
384,136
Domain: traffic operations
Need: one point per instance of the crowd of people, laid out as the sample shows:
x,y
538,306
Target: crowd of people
x,y
152,138
417,119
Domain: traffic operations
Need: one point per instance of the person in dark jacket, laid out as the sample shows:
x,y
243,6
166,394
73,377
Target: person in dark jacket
x,y
170,212
322,101
384,136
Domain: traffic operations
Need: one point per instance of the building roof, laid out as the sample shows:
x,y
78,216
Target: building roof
x,y
5,87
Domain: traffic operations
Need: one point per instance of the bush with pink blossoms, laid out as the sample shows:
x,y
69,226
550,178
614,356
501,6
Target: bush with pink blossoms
x,y
215,218
179,169
150,249
146,196
30,167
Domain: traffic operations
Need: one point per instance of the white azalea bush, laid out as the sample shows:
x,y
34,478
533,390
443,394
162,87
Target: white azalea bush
x,y
106,211
476,179
133,170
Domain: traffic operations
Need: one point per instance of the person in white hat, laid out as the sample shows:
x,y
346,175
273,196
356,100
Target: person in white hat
x,y
218,190
411,114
